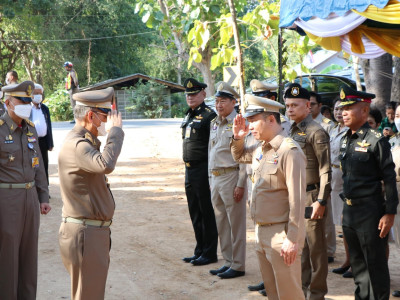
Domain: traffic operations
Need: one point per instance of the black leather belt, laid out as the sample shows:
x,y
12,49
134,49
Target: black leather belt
x,y
311,187
359,201
193,163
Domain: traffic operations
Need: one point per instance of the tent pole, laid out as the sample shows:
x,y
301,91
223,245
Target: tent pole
x,y
280,46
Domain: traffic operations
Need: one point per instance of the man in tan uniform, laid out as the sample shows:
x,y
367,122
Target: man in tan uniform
x,y
24,193
278,197
228,181
314,141
315,110
88,204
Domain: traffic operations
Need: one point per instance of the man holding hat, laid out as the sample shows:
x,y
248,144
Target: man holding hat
x,y
24,193
366,161
228,180
88,204
195,134
314,141
278,196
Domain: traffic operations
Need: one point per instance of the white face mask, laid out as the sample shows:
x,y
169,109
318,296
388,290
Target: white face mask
x,y
101,130
397,123
7,81
22,110
37,98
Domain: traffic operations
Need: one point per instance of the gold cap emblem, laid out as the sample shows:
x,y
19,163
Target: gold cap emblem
x,y
342,94
189,84
220,87
29,90
295,91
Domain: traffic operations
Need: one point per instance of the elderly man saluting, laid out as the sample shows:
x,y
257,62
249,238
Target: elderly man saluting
x,y
278,197
88,204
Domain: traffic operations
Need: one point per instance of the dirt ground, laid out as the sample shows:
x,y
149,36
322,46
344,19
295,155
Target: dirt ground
x,y
151,230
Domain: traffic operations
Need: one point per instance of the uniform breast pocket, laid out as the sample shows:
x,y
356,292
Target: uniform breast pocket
x,y
9,156
269,175
300,140
196,130
360,161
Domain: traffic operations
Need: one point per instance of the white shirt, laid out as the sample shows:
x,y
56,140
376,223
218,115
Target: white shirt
x,y
39,120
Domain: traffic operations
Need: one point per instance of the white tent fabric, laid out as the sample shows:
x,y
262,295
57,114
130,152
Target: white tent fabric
x,y
334,25
371,49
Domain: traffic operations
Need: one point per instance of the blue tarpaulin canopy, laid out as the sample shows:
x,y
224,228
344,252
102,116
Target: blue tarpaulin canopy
x,y
305,9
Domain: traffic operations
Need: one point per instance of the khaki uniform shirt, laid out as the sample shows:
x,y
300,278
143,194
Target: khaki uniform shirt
x,y
82,168
20,157
326,123
314,141
219,151
279,177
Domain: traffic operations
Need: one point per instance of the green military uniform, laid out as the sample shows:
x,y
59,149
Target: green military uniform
x,y
366,161
88,204
23,186
314,141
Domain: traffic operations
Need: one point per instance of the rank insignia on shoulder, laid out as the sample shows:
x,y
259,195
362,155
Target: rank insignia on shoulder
x,y
30,123
326,120
1,122
207,109
301,133
89,138
290,142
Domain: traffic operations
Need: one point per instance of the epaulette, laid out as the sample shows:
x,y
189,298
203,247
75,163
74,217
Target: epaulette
x,y
283,119
326,120
213,120
377,134
393,136
207,109
1,122
289,141
88,136
30,123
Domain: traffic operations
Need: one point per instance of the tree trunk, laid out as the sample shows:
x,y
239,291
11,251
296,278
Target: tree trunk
x,y
395,93
378,79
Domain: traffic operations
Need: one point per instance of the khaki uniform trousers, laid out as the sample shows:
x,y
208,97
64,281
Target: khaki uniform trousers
x,y
85,254
282,282
230,217
19,232
314,260
330,230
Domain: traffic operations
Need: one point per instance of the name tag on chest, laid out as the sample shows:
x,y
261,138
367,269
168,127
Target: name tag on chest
x,y
361,149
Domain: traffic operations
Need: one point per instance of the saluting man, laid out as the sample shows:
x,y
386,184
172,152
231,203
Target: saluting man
x,y
228,180
366,161
24,193
88,204
278,196
195,136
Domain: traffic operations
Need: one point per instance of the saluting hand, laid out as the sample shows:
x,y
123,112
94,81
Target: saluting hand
x,y
240,129
114,118
385,223
289,251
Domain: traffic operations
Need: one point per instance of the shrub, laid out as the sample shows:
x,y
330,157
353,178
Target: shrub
x,y
59,106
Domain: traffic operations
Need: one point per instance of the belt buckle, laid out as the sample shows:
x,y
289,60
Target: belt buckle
x,y
28,185
348,202
215,173
187,165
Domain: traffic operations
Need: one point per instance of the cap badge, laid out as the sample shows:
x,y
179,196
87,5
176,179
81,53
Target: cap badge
x,y
295,91
189,84
29,90
342,94
220,87
254,88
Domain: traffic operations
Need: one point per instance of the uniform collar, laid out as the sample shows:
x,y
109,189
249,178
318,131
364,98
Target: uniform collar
x,y
11,124
197,110
229,118
361,132
276,142
303,124
318,118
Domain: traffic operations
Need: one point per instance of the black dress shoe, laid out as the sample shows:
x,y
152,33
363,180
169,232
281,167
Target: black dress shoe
x,y
331,259
257,287
341,270
263,292
201,261
231,273
396,294
220,270
348,274
189,259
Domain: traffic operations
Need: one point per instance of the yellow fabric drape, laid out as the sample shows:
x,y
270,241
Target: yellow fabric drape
x,y
389,14
387,39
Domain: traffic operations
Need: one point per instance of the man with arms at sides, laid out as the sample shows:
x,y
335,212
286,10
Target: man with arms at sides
x,y
195,136
278,196
368,215
24,195
228,180
314,141
88,204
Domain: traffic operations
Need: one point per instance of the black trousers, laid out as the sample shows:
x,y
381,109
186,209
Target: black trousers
x,y
45,155
201,210
367,250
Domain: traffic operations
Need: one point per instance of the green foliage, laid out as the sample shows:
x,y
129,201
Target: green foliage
x,y
149,99
59,106
178,105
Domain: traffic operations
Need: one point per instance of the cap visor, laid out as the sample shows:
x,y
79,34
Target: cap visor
x,y
251,113
25,99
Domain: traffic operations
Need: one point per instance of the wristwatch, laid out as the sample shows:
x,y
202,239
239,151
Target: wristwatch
x,y
322,202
